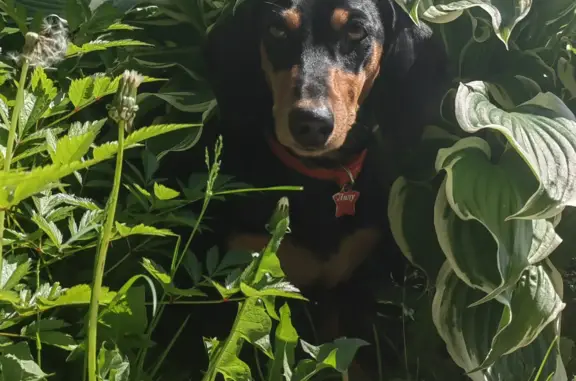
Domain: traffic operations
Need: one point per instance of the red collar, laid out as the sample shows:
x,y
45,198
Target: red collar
x,y
339,175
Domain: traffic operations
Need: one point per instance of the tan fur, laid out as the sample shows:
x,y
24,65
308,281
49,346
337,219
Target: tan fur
x,y
303,268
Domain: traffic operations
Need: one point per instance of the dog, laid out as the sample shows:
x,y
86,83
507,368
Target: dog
x,y
328,95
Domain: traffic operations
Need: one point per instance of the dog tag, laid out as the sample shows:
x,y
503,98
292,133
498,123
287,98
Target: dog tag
x,y
346,202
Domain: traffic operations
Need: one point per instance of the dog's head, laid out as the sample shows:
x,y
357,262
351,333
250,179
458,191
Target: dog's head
x,y
320,59
312,63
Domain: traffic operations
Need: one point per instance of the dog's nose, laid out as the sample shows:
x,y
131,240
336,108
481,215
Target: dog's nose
x,y
311,128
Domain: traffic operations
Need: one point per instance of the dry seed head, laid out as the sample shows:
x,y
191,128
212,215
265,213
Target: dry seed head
x,y
124,107
48,47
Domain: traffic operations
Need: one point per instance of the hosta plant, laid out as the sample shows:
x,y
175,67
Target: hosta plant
x,y
504,174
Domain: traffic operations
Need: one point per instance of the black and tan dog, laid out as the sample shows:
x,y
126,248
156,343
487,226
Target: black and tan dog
x,y
326,94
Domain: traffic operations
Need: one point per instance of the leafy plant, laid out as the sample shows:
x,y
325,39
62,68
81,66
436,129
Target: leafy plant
x,y
502,180
484,207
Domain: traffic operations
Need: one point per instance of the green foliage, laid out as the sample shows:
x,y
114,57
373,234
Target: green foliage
x,y
484,207
504,179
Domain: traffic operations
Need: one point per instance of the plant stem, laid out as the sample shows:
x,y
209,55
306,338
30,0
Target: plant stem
x,y
100,260
10,143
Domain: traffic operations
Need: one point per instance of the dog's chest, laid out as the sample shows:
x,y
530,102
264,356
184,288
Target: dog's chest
x,y
323,247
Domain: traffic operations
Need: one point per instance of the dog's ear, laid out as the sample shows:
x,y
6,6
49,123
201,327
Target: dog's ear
x,y
413,77
233,62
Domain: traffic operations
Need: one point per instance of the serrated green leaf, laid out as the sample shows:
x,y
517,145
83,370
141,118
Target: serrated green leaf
x,y
164,193
46,331
79,294
99,45
124,231
112,365
19,185
165,280
109,149
14,268
50,228
15,369
76,144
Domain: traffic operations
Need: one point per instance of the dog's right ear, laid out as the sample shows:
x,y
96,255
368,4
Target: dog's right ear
x,y
232,54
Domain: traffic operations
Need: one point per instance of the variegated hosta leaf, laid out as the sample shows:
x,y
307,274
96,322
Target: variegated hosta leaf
x,y
505,14
411,216
478,190
478,338
542,130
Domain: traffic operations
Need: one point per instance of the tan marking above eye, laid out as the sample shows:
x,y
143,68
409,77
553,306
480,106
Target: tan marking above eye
x,y
340,17
292,18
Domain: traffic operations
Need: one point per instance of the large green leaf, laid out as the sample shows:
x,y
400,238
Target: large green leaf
x,y
411,216
286,340
19,365
505,14
469,332
73,146
476,189
542,130
17,185
253,325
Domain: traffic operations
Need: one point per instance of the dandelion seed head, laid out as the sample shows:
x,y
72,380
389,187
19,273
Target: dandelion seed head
x,y
48,47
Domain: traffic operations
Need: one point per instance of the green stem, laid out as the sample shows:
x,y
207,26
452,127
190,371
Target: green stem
x,y
100,260
10,143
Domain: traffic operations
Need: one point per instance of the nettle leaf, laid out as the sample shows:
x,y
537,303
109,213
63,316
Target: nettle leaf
x,y
411,216
76,144
505,14
477,191
109,149
99,45
124,231
18,185
112,365
542,130
46,331
36,102
475,335
50,228
164,193
14,269
18,364
79,294
183,100
86,90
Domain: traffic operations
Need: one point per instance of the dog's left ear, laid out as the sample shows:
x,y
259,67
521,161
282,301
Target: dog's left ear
x,y
413,77
232,57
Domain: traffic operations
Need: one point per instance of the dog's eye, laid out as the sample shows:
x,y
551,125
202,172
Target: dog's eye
x,y
356,32
277,32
